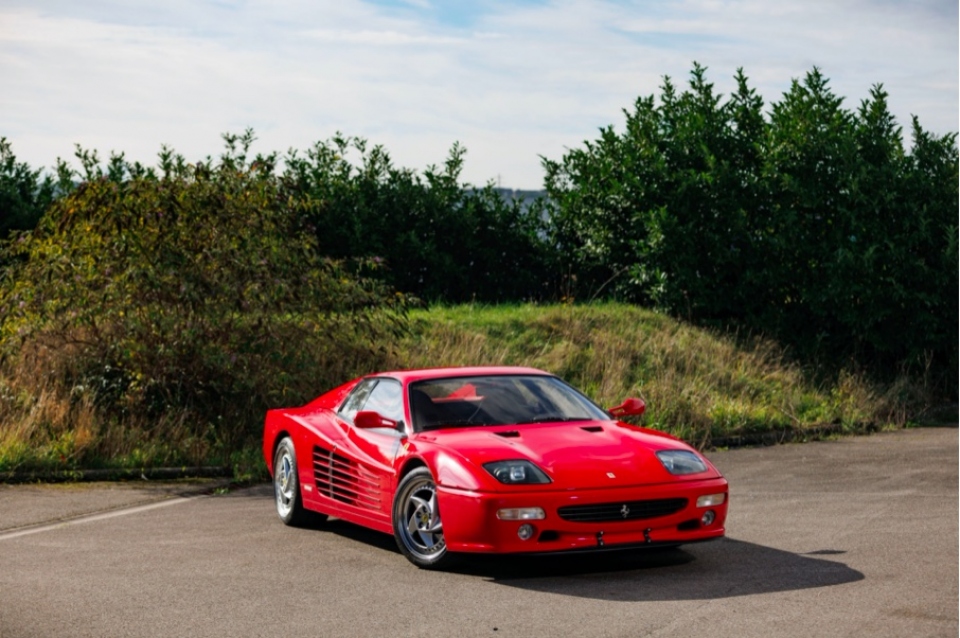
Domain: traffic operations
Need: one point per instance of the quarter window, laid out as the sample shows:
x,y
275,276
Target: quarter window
x,y
356,399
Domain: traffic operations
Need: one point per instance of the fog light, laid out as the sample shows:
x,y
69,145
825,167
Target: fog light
x,y
525,531
711,500
707,518
521,514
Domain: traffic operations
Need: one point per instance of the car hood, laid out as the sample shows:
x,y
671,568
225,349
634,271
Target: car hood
x,y
584,454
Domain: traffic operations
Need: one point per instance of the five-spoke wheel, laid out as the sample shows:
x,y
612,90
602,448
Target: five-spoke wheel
x,y
286,487
416,521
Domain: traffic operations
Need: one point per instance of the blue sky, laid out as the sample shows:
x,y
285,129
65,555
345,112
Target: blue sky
x,y
511,81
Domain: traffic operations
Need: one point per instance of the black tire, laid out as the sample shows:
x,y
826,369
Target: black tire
x,y
417,527
286,488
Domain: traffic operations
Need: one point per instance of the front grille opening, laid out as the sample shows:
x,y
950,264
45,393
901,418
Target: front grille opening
x,y
687,526
622,510
547,536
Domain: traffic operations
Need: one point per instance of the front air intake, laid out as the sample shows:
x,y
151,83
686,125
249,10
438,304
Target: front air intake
x,y
621,510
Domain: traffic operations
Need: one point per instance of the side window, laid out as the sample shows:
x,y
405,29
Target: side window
x,y
380,395
356,399
387,399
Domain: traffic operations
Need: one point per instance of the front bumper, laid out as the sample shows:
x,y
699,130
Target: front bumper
x,y
470,522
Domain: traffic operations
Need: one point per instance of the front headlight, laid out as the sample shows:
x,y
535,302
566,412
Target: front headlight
x,y
681,462
516,472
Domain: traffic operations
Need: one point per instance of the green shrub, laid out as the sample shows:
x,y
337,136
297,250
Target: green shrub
x,y
187,296
439,239
814,225
24,194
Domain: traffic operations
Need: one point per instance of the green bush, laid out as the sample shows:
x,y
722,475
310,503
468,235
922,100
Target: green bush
x,y
187,294
812,224
24,194
439,239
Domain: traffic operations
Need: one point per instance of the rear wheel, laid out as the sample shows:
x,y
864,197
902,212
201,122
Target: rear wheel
x,y
416,521
286,488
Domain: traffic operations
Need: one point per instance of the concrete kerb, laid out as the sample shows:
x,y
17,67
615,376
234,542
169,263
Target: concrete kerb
x,y
128,474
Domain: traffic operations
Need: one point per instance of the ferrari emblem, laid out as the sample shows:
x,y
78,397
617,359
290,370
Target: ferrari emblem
x,y
611,475
624,511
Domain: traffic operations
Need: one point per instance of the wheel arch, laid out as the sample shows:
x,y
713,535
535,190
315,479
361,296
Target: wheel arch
x,y
410,465
281,434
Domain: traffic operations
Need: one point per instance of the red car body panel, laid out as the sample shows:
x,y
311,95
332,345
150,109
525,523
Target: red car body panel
x,y
353,473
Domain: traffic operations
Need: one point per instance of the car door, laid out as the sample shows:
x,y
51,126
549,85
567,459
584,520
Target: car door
x,y
359,472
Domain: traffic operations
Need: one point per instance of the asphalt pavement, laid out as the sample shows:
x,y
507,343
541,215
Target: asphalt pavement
x,y
854,537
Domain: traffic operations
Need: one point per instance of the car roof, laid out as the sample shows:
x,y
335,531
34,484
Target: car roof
x,y
408,376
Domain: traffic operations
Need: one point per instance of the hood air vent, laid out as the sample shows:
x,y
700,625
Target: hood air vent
x,y
592,428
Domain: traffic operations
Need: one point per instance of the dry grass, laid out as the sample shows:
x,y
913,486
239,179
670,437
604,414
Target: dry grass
x,y
697,384
48,422
63,406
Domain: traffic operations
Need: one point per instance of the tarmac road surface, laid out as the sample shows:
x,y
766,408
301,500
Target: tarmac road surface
x,y
855,537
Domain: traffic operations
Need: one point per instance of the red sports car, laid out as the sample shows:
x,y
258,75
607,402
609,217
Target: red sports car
x,y
491,459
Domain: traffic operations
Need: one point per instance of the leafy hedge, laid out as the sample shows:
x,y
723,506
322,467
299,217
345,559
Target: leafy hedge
x,y
812,223
187,293
439,239
803,221
24,193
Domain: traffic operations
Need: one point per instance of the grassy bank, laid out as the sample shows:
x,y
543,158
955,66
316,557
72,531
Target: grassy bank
x,y
698,385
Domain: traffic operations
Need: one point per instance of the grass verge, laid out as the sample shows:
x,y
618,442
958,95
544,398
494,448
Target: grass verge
x,y
706,388
703,387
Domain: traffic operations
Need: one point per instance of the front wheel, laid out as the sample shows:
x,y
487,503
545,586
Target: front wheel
x,y
286,488
416,521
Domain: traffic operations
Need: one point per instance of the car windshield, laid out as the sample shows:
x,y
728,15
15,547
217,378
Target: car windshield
x,y
497,400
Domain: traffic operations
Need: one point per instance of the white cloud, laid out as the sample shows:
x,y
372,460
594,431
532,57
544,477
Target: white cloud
x,y
517,82
378,38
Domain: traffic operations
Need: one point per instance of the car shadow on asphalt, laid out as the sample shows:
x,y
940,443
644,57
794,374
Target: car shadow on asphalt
x,y
358,534
724,568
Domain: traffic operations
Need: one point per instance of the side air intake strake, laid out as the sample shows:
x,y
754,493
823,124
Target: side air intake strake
x,y
339,478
